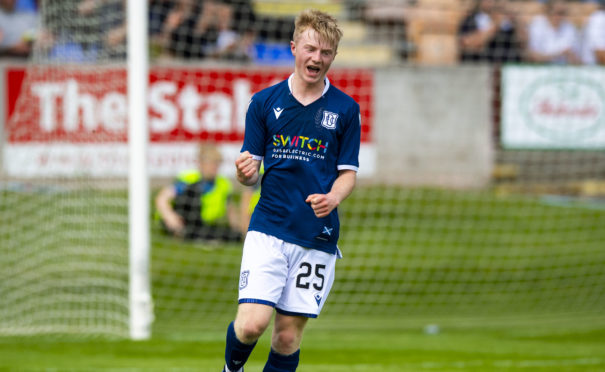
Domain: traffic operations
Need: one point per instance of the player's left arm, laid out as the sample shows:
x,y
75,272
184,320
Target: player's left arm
x,y
324,204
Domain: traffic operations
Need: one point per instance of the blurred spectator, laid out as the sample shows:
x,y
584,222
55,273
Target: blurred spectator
x,y
490,33
181,38
164,17
237,41
250,197
592,50
158,11
209,28
63,33
84,30
197,203
17,30
552,38
109,17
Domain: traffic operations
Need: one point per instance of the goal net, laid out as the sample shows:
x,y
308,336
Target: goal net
x,y
63,189
480,192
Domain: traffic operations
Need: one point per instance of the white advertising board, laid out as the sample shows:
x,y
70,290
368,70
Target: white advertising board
x,y
553,107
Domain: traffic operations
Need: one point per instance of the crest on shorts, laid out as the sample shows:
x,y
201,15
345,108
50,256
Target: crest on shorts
x,y
243,279
329,120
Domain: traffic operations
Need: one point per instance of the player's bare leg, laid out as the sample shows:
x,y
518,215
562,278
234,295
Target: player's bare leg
x,y
285,343
250,323
287,333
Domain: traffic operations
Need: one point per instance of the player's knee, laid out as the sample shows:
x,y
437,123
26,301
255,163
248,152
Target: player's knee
x,y
286,342
249,330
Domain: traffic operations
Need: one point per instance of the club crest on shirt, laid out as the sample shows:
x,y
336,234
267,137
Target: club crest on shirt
x,y
329,120
243,279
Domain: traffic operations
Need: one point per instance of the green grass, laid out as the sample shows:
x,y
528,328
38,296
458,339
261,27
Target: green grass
x,y
333,345
514,283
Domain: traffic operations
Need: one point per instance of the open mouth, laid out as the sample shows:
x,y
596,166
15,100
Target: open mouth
x,y
313,69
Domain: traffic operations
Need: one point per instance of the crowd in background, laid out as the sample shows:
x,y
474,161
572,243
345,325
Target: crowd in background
x,y
494,33
199,29
90,30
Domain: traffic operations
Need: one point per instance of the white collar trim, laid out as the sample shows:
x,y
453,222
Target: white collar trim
x,y
326,82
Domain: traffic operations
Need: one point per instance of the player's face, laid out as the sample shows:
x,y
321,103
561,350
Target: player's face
x,y
312,56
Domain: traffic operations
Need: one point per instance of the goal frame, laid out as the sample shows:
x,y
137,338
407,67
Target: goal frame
x,y
140,301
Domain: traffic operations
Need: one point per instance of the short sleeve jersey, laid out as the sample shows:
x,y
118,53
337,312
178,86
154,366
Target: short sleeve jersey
x,y
303,149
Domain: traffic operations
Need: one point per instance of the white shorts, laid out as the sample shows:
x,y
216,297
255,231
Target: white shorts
x,y
293,279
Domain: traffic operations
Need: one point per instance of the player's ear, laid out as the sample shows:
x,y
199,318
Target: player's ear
x,y
292,47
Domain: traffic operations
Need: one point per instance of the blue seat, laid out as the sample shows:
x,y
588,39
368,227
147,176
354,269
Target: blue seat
x,y
267,53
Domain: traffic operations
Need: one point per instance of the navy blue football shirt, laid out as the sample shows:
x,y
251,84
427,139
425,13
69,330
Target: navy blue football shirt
x,y
303,149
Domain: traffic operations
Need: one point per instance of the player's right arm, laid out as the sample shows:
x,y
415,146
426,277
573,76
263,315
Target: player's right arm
x,y
247,169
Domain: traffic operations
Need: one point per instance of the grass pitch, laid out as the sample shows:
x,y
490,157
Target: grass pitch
x,y
510,283
336,345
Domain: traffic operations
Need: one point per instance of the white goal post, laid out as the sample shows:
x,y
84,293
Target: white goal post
x,y
141,306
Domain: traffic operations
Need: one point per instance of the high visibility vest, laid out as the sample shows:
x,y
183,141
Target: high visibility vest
x,y
256,195
213,202
254,201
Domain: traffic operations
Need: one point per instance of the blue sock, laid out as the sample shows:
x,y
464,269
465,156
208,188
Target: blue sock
x,y
236,352
282,363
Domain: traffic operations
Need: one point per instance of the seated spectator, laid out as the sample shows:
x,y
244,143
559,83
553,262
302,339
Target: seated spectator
x,y
84,30
490,33
164,17
181,37
198,204
207,28
158,12
235,42
109,17
552,38
18,30
592,51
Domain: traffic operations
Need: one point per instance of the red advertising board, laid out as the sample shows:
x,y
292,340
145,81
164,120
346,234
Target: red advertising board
x,y
73,121
83,105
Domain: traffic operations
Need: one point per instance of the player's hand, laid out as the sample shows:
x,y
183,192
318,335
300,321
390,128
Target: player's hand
x,y
174,223
245,167
322,204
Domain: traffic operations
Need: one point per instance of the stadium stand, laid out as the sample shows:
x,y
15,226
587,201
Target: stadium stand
x,y
429,27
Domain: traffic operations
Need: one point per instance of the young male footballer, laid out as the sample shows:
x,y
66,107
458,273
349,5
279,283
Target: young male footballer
x,y
307,133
